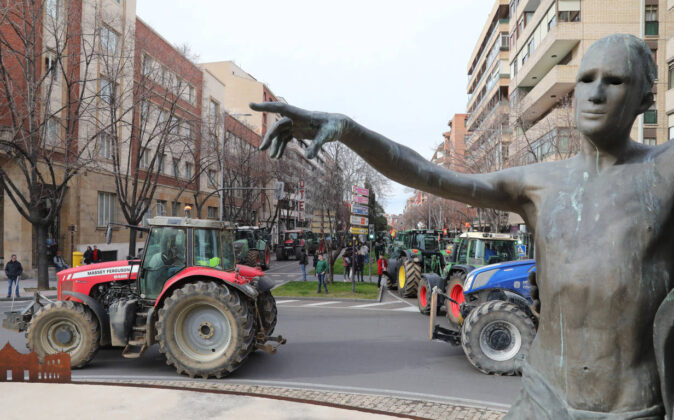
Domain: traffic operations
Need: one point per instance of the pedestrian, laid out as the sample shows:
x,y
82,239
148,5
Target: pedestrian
x,y
303,264
59,262
96,255
88,255
360,265
366,252
13,270
381,267
346,262
321,269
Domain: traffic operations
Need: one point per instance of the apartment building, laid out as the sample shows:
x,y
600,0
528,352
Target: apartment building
x,y
669,94
488,87
547,41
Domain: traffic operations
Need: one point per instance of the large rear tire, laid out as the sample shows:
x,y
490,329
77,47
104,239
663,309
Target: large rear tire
x,y
424,296
266,260
390,284
409,276
253,258
65,326
279,254
454,289
205,329
496,337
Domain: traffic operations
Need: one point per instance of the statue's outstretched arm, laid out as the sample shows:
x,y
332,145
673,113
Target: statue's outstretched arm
x,y
400,163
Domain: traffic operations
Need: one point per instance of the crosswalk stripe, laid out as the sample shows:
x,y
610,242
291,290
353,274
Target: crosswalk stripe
x,y
278,302
321,303
407,309
374,304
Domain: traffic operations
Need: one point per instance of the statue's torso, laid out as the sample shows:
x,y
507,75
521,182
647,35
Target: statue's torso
x,y
605,262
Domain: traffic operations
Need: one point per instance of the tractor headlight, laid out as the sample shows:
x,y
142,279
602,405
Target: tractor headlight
x,y
475,281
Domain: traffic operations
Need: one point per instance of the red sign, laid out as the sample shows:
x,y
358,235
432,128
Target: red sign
x,y
359,199
300,203
361,191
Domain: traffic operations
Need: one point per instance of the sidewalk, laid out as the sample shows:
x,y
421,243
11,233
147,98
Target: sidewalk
x,y
27,295
216,400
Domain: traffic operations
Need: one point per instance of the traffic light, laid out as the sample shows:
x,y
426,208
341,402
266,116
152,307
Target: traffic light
x,y
371,232
371,236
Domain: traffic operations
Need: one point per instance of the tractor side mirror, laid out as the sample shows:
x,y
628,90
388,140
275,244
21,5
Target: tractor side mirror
x,y
108,234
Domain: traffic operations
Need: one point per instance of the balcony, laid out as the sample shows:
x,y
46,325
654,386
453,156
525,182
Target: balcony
x,y
557,83
558,43
669,101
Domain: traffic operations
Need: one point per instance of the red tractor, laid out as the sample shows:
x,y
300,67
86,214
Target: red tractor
x,y
186,294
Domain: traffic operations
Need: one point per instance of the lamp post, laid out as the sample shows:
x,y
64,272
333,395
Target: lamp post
x,y
222,162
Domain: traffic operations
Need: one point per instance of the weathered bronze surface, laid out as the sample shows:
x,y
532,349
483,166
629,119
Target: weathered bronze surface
x,y
603,224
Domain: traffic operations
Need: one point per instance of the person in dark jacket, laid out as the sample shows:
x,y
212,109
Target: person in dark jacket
x,y
360,264
96,256
303,264
88,255
13,270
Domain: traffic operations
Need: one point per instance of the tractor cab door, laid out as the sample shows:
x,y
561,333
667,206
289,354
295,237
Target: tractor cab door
x,y
165,256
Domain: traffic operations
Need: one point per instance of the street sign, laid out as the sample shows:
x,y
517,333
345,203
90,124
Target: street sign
x,y
357,220
278,190
360,210
358,199
361,191
522,250
358,230
300,205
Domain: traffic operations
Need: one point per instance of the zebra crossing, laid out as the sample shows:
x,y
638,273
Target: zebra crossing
x,y
392,305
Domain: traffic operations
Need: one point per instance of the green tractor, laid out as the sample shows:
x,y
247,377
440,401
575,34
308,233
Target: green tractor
x,y
469,251
250,247
412,253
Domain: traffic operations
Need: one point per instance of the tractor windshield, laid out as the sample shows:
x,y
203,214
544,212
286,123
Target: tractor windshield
x,y
493,251
213,249
164,257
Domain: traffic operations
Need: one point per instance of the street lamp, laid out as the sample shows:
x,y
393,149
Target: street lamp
x,y
222,163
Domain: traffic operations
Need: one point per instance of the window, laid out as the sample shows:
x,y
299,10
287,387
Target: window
x,y
52,8
53,132
148,65
50,64
649,141
192,95
144,158
144,111
651,20
105,145
106,208
651,115
189,170
176,168
212,178
568,11
212,212
188,130
109,40
175,208
161,208
108,90
213,110
174,126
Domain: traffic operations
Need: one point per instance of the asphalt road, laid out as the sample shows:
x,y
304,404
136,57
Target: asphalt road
x,y
334,345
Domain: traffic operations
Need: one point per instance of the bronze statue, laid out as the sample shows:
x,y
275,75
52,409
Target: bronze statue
x,y
604,230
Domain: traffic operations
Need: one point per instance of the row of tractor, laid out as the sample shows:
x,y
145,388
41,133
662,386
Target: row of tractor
x,y
481,285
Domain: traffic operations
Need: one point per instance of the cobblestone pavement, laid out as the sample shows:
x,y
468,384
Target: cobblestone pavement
x,y
406,408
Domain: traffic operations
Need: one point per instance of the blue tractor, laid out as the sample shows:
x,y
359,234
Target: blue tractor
x,y
499,316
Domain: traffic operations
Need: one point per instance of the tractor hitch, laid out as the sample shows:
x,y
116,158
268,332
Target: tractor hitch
x,y
446,335
18,320
261,339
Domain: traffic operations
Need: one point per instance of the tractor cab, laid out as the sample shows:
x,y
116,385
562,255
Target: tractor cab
x,y
176,243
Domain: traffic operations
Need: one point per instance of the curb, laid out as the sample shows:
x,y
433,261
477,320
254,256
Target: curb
x,y
376,404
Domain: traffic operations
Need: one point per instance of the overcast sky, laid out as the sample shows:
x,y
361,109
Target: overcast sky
x,y
399,68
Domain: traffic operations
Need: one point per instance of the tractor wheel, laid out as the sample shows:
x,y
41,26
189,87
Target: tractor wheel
x,y
205,329
411,276
424,297
279,254
390,284
267,259
253,258
266,304
454,290
65,326
496,336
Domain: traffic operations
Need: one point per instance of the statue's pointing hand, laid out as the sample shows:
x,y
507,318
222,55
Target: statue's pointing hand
x,y
298,123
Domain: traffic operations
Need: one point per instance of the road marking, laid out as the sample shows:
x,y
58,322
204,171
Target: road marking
x,y
278,302
374,304
407,309
321,303
400,299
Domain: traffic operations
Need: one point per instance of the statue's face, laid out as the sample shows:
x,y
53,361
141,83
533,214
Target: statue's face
x,y
608,92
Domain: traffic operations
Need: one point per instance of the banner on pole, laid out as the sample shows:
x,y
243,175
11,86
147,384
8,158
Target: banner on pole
x,y
360,191
360,210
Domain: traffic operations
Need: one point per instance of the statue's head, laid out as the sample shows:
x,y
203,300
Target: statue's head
x,y
614,85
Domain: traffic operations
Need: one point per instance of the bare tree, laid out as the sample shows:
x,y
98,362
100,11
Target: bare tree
x,y
49,105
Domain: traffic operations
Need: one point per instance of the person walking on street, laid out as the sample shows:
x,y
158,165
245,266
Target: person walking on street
x,y
315,261
360,265
381,267
88,255
321,269
346,262
59,262
96,255
13,270
303,264
366,252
